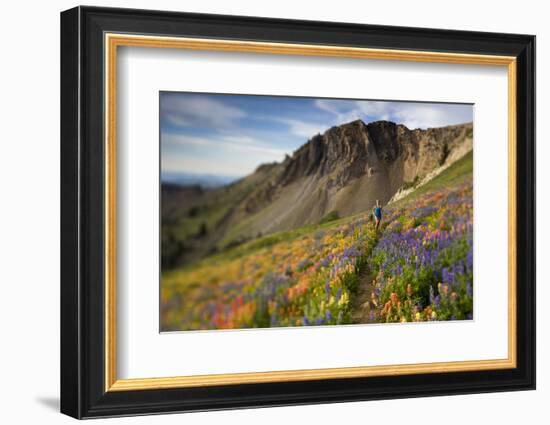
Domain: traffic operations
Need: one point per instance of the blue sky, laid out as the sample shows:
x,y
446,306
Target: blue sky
x,y
230,135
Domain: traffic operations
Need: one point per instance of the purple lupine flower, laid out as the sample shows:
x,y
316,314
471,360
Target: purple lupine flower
x,y
304,264
324,262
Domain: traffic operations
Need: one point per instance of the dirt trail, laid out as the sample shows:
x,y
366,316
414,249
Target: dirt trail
x,y
362,303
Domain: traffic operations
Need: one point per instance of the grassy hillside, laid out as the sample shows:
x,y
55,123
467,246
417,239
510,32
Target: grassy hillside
x,y
457,173
193,224
417,267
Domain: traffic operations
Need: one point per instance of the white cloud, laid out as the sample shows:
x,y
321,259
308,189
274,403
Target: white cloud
x,y
411,114
424,115
219,155
243,144
189,110
343,110
189,164
304,129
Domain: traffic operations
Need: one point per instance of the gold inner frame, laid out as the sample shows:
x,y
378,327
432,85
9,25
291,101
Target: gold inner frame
x,y
113,41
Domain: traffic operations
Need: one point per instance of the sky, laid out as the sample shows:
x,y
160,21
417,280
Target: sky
x,y
230,135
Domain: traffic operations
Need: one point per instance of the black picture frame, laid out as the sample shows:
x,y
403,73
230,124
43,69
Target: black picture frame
x,y
83,392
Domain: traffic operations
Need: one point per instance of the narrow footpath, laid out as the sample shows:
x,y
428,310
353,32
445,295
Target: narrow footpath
x,y
362,301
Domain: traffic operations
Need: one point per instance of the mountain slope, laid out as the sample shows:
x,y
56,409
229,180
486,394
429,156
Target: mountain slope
x,y
456,173
418,267
341,172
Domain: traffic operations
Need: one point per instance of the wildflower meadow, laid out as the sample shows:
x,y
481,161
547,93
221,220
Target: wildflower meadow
x,y
417,267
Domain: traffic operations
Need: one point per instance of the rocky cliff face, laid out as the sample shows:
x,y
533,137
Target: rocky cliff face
x,y
345,170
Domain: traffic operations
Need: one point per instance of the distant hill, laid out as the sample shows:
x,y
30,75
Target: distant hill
x,y
336,174
196,179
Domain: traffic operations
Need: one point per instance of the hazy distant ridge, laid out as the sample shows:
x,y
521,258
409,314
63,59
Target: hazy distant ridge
x,y
196,179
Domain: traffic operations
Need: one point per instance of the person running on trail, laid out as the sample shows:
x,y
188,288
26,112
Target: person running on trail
x,y
377,212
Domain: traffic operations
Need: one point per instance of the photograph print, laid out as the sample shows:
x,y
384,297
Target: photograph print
x,y
296,211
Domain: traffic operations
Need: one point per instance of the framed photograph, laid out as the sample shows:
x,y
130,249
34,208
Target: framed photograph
x,y
260,212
